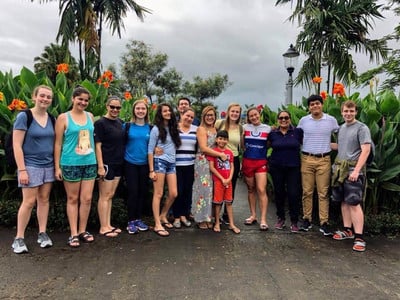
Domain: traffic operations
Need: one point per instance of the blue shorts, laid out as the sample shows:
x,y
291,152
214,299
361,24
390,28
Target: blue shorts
x,y
163,166
79,173
38,176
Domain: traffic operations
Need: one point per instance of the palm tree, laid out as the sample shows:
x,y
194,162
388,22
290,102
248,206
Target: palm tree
x,y
331,29
52,56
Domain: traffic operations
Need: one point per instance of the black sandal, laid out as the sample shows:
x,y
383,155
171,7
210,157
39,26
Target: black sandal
x,y
86,237
73,240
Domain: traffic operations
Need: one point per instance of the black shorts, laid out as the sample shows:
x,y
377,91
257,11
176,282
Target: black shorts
x,y
112,171
351,192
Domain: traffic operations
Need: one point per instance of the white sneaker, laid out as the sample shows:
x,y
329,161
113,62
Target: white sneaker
x,y
44,240
19,246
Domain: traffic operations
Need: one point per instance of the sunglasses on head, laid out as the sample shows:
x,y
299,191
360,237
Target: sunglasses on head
x,y
284,118
115,107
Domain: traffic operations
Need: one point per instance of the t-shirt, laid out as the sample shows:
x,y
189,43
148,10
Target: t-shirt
x,y
186,153
255,141
223,167
285,147
137,143
350,139
234,136
317,133
168,147
110,134
38,146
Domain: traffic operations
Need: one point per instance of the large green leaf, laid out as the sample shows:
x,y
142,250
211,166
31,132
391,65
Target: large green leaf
x,y
28,78
391,187
389,103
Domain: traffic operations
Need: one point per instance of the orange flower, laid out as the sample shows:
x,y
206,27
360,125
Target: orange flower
x,y
154,106
324,95
99,81
17,104
146,100
108,75
1,96
127,95
317,80
338,89
62,68
106,84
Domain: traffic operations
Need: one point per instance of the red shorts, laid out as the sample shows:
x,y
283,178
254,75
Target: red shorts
x,y
252,166
222,193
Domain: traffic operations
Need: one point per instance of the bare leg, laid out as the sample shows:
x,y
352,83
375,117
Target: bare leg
x,y
158,187
86,194
42,209
172,193
261,184
217,210
25,210
72,190
229,211
251,197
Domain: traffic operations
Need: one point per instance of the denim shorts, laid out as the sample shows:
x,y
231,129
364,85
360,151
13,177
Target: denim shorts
x,y
79,173
163,166
38,176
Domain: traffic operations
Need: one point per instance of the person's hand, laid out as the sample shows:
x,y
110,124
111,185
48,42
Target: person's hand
x,y
23,177
101,172
153,176
223,156
158,151
354,175
58,174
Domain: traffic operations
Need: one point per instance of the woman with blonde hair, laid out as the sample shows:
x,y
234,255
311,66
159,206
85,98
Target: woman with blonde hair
x,y
235,130
203,185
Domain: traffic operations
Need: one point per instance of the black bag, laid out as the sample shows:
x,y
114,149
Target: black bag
x,y
8,145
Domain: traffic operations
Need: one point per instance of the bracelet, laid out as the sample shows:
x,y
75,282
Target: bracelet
x,y
151,171
22,170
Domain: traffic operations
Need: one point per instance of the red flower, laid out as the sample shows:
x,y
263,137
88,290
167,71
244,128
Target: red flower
x,y
62,68
127,96
338,89
17,104
324,95
317,79
260,107
223,114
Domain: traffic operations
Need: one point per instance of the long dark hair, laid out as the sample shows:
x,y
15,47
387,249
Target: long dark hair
x,y
172,125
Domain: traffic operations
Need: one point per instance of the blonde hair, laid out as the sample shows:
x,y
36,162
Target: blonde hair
x,y
228,119
146,117
206,110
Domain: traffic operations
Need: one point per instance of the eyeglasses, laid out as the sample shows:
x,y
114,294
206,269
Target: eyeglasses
x,y
283,118
210,115
115,107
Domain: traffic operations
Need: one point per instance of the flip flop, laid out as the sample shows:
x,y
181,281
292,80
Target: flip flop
x,y
167,224
202,226
86,237
110,234
235,230
162,232
264,227
250,221
73,241
217,229
116,229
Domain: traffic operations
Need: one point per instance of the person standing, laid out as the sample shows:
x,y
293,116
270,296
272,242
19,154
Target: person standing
x,y
183,104
203,185
254,166
222,172
109,139
284,166
235,131
75,164
316,161
185,156
349,175
165,136
33,150
136,167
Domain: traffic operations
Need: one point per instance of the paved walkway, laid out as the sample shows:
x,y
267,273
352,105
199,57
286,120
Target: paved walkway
x,y
198,264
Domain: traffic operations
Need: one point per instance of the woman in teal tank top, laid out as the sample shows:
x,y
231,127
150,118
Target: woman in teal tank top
x,y
75,164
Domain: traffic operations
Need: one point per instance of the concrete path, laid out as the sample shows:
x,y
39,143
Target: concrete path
x,y
198,264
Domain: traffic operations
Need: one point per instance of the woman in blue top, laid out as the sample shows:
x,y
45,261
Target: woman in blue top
x,y
33,151
75,164
284,166
165,136
136,168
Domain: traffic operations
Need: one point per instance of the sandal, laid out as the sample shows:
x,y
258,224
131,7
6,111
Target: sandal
x,y
116,229
359,245
264,227
161,232
250,221
167,225
73,241
86,237
202,225
342,235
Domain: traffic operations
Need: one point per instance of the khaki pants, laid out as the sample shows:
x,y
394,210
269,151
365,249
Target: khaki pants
x,y
315,170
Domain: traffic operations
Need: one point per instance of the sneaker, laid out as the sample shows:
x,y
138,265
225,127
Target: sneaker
x,y
343,235
294,228
140,225
306,226
132,229
280,224
325,230
19,246
44,240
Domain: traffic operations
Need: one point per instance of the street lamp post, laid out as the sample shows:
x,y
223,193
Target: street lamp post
x,y
290,58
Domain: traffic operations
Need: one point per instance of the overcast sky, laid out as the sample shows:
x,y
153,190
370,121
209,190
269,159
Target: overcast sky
x,y
243,39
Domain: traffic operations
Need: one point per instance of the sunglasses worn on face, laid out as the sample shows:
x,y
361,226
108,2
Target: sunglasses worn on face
x,y
115,107
283,118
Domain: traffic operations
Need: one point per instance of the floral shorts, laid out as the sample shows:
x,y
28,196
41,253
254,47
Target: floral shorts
x,y
79,173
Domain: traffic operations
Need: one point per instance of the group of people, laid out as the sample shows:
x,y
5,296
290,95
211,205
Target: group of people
x,y
198,160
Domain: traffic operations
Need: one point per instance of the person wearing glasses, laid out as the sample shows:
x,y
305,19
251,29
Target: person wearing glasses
x,y
203,185
75,164
316,162
109,141
284,167
254,166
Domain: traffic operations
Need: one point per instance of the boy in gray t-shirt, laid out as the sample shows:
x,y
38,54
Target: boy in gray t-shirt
x,y
354,145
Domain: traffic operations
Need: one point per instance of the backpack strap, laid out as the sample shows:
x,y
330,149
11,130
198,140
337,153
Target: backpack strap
x,y
127,126
29,118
